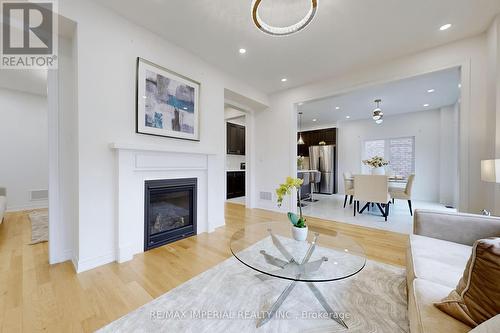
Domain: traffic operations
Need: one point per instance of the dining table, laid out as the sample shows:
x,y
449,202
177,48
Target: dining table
x,y
391,179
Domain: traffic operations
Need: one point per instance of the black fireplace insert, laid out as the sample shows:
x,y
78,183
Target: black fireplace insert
x,y
169,210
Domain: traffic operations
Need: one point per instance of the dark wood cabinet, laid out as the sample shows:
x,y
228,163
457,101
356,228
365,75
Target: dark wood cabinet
x,y
235,139
235,184
313,138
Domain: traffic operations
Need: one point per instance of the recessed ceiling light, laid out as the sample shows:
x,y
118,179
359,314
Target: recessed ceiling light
x,y
315,119
459,85
337,108
144,96
242,51
284,79
347,117
426,105
445,27
301,103
431,90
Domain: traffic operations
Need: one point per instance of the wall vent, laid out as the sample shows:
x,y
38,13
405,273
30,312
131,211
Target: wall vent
x,y
266,196
37,195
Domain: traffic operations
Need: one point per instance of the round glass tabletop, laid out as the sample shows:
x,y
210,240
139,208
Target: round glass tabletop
x,y
270,249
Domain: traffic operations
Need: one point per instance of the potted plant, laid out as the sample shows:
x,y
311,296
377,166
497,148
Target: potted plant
x,y
377,164
299,227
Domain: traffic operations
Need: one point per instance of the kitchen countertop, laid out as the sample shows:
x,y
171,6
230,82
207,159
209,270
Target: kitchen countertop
x,y
305,171
235,170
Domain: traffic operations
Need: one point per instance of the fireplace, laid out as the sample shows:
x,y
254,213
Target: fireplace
x,y
169,210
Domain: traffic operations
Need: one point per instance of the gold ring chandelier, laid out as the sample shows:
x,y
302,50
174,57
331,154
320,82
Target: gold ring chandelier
x,y
282,31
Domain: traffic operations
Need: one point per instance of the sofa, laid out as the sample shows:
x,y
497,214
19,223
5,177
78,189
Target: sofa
x,y
3,203
436,257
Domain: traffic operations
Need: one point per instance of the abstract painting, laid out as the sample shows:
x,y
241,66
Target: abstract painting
x,y
167,103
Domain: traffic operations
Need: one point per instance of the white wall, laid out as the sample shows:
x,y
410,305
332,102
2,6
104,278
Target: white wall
x,y
424,126
63,210
231,113
23,147
493,98
448,155
275,141
432,150
233,162
108,46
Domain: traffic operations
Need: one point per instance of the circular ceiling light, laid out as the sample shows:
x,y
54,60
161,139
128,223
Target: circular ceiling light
x,y
284,79
242,51
282,31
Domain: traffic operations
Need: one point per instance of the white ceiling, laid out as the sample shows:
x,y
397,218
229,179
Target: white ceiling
x,y
345,34
408,95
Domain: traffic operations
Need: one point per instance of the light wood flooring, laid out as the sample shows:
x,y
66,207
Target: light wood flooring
x,y
35,296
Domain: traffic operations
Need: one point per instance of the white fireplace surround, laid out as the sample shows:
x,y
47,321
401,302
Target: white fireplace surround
x,y
138,163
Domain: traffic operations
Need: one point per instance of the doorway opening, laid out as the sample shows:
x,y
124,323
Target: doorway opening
x,y
410,124
236,159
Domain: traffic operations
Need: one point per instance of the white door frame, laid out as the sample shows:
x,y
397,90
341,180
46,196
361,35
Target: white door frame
x,y
249,153
53,151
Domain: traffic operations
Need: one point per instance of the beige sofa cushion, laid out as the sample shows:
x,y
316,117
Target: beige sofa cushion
x,y
489,326
436,260
477,296
424,316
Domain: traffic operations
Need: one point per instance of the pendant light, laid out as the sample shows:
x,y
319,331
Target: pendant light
x,y
378,115
300,141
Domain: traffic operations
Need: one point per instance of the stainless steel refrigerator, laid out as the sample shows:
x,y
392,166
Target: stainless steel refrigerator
x,y
322,158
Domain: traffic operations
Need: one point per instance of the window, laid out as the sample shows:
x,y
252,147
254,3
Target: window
x,y
400,152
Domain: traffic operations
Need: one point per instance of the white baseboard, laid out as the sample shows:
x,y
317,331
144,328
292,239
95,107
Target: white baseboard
x,y
126,253
82,265
64,256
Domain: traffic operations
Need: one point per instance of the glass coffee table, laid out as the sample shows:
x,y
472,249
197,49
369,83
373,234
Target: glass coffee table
x,y
269,249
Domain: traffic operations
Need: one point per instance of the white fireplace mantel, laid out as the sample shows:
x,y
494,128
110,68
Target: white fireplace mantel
x,y
137,163
155,148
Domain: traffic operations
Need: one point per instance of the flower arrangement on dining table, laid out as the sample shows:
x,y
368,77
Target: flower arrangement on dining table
x,y
376,162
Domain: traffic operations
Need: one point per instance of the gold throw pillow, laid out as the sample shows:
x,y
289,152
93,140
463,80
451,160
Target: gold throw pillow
x,y
477,295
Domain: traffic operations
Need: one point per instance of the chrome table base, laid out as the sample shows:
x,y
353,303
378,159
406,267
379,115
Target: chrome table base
x,y
300,269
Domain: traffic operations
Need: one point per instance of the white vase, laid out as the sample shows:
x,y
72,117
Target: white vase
x,y
378,171
299,234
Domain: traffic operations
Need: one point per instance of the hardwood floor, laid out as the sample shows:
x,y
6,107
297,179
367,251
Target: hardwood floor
x,y
35,296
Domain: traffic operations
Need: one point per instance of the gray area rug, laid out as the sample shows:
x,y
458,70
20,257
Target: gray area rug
x,y
230,298
39,226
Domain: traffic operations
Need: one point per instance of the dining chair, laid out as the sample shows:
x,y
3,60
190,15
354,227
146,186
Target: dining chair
x,y
404,193
348,188
372,189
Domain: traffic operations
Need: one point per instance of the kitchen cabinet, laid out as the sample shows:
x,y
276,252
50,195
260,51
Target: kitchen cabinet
x,y
235,139
313,138
235,184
